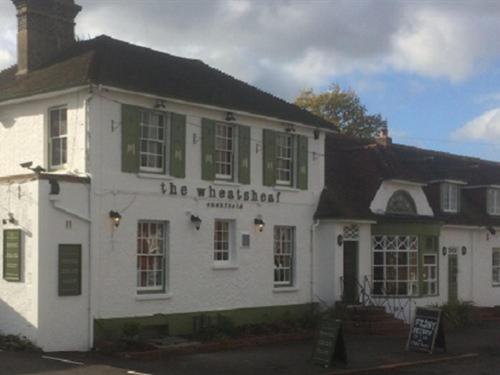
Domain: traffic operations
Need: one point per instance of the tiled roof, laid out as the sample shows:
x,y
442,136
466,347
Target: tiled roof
x,y
355,169
111,62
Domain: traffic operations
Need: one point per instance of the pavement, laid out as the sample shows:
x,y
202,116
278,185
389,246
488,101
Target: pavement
x,y
470,351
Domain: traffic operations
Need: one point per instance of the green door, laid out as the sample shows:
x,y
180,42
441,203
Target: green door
x,y
452,278
350,295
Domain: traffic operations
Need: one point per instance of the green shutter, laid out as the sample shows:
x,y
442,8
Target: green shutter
x,y
302,162
269,158
70,270
208,149
130,139
244,154
12,255
178,146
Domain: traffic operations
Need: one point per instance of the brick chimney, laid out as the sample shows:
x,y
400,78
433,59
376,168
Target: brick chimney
x,y
383,138
45,27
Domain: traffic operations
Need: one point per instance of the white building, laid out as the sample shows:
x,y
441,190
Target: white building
x,y
403,227
169,190
136,186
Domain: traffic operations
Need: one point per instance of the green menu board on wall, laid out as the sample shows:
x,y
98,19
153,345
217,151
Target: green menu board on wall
x,y
70,270
12,254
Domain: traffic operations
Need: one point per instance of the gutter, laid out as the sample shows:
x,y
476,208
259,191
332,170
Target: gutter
x,y
41,96
211,107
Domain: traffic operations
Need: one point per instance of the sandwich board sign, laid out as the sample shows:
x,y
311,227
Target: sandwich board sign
x,y
427,331
329,345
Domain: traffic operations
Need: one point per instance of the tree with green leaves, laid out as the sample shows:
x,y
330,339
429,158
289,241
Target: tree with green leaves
x,y
344,110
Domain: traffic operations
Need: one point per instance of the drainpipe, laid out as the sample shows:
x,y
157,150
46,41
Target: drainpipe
x,y
314,226
90,213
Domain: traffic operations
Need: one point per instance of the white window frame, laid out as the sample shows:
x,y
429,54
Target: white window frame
x,y
224,241
494,201
154,138
152,247
389,247
61,136
228,150
495,267
284,250
427,280
450,197
284,157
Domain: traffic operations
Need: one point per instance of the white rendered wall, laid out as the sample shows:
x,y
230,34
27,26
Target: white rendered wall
x,y
388,188
19,300
329,259
64,320
24,134
194,284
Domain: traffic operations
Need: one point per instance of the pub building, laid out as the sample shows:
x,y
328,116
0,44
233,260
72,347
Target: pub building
x,y
160,191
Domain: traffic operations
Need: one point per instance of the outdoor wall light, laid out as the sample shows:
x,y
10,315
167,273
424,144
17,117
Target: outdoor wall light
x,y
316,133
259,223
290,128
491,230
464,250
196,221
160,104
230,117
10,220
115,217
444,250
340,240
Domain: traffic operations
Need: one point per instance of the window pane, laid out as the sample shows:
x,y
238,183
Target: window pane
x,y
284,239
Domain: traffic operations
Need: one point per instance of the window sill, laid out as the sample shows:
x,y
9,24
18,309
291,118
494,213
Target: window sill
x,y
226,183
154,176
218,267
285,289
495,285
287,188
153,297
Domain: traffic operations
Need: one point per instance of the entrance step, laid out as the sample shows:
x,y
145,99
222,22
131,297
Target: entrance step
x,y
372,320
487,313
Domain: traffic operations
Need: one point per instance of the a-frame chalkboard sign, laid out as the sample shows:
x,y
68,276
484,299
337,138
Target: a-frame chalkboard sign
x,y
427,331
329,345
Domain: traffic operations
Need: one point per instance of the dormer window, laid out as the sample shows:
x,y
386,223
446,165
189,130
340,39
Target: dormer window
x,y
401,202
450,197
494,201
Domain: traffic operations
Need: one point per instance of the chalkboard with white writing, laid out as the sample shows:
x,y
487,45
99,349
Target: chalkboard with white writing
x,y
426,333
329,345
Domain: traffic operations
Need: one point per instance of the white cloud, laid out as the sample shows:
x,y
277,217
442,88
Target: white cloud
x,y
286,45
483,128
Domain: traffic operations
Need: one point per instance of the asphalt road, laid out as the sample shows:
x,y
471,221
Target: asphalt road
x,y
289,359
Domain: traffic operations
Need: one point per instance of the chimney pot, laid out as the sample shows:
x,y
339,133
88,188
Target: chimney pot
x,y
383,138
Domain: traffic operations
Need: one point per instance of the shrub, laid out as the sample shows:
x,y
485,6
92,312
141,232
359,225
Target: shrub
x,y
16,343
130,330
458,314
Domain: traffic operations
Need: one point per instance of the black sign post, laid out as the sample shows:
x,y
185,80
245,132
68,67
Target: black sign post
x,y
329,345
427,331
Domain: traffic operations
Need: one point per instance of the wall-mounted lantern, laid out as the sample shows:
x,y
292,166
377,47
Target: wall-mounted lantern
x,y
444,250
160,104
340,240
115,217
196,221
316,133
259,223
464,250
230,117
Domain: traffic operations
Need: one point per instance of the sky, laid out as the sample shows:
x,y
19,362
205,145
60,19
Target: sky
x,y
431,68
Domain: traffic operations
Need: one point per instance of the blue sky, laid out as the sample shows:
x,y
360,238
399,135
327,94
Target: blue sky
x,y
430,67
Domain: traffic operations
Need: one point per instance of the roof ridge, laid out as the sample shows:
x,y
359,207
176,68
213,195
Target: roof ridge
x,y
447,154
